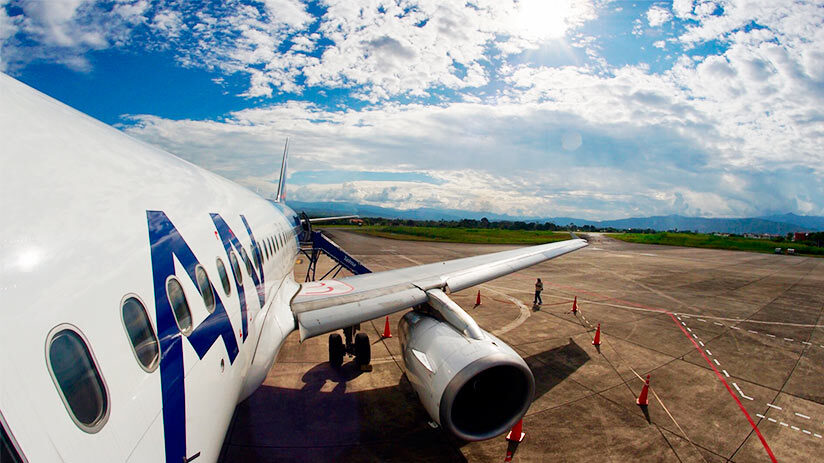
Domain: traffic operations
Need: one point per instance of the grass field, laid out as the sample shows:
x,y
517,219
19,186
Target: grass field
x,y
462,235
699,240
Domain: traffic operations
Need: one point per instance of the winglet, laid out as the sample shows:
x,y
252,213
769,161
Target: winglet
x,y
281,196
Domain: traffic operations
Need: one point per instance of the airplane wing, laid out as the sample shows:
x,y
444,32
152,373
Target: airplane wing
x,y
328,305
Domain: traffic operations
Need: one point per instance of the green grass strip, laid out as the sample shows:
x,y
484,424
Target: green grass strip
x,y
461,235
701,240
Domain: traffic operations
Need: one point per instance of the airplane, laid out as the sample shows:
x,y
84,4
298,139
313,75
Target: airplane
x,y
143,297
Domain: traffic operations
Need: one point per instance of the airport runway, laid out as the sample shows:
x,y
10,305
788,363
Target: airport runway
x,y
732,341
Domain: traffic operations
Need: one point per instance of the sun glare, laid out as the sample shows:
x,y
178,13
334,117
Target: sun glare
x,y
543,19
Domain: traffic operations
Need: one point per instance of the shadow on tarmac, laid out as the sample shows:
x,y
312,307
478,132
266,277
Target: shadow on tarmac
x,y
324,420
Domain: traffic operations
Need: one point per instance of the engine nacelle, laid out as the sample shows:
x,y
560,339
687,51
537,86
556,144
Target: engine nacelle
x,y
475,388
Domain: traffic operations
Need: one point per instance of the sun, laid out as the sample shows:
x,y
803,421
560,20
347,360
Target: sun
x,y
543,19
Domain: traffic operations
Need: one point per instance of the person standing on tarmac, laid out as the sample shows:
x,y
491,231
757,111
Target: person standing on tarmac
x,y
538,288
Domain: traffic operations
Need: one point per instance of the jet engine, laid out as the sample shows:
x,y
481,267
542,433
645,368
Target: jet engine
x,y
473,385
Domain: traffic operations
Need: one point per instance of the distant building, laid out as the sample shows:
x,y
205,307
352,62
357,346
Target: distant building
x,y
760,236
358,222
800,236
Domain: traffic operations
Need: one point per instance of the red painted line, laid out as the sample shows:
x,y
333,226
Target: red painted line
x,y
724,382
720,378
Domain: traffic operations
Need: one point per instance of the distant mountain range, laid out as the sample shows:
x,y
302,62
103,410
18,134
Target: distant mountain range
x,y
773,224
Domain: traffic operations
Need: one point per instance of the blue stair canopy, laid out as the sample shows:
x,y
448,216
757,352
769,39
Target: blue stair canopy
x,y
336,253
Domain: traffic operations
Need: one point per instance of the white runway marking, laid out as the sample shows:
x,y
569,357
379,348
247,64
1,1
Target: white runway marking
x,y
719,324
753,332
802,416
771,335
807,343
771,420
796,428
523,314
805,431
701,320
759,415
737,388
742,392
775,406
783,424
789,339
735,327
817,435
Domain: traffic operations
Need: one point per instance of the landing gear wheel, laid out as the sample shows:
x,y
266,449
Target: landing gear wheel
x,y
363,354
336,350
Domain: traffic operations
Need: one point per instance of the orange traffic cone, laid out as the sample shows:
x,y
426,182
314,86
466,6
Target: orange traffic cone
x,y
516,434
643,399
478,299
597,340
575,305
386,332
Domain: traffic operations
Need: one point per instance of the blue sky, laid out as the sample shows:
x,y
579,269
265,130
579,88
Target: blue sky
x,y
593,108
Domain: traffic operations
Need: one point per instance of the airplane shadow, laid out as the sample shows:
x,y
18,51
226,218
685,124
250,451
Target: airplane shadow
x,y
328,419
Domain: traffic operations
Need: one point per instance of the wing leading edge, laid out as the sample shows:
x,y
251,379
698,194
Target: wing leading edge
x,y
328,305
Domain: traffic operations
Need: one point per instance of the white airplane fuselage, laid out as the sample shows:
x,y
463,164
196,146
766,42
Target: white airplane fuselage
x,y
91,218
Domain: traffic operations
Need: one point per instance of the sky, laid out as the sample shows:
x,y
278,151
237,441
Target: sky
x,y
594,109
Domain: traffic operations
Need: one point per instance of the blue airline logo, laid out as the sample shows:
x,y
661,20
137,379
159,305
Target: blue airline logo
x,y
167,244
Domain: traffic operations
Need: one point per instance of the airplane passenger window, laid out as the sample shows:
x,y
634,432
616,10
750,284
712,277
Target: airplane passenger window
x,y
224,279
235,267
141,334
246,260
7,450
180,307
258,258
205,287
77,379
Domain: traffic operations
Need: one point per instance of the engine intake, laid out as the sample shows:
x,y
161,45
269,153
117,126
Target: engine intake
x,y
475,388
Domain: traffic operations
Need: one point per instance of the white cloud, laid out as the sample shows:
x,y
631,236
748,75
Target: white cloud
x,y
64,31
168,23
735,132
575,143
682,8
380,49
658,15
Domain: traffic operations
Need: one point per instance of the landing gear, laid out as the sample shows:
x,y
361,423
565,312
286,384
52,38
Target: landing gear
x,y
361,349
363,354
336,350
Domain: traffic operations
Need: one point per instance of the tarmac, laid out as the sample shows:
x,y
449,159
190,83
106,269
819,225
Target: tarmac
x,y
733,343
